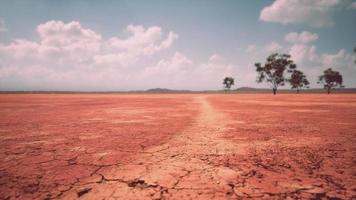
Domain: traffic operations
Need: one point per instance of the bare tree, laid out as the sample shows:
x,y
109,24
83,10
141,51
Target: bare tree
x,y
273,70
298,80
228,82
330,79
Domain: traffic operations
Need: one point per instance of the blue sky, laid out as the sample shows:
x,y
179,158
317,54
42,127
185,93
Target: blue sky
x,y
210,40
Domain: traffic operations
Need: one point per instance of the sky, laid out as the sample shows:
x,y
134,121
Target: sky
x,y
110,45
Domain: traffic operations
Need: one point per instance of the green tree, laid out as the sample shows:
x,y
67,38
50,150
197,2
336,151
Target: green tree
x,y
273,71
298,80
330,79
228,82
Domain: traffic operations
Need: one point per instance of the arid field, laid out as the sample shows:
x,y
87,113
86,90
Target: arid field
x,y
177,146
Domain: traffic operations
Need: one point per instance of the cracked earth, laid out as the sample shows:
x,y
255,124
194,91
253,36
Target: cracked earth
x,y
177,147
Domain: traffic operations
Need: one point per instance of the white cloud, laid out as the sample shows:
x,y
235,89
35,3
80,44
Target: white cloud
x,y
215,58
303,37
68,56
315,13
2,26
302,53
175,64
251,48
273,47
341,59
58,33
181,72
143,41
300,50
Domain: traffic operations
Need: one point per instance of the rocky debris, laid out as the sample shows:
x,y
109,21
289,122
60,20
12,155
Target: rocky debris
x,y
138,184
83,191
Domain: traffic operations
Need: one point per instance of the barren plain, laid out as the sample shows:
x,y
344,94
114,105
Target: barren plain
x,y
177,146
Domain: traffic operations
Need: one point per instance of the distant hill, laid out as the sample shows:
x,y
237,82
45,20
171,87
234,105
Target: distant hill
x,y
165,90
253,90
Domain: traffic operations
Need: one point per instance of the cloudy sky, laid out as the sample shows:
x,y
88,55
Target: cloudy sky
x,y
136,44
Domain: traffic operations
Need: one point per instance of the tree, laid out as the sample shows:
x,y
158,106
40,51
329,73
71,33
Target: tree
x,y
228,82
355,53
298,80
273,70
330,79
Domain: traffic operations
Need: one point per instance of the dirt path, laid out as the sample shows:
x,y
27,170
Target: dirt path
x,y
179,169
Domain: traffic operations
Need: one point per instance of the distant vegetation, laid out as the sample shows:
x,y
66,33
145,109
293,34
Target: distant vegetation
x,y
228,82
330,79
298,80
280,69
273,71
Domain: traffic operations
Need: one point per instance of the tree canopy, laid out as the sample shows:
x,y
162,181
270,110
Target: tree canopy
x,y
228,82
331,79
298,80
273,71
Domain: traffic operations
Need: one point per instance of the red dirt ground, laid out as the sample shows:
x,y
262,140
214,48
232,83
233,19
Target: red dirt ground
x,y
165,146
299,146
50,142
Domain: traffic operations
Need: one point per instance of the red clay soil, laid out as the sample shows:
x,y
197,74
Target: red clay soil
x,y
199,146
48,143
296,146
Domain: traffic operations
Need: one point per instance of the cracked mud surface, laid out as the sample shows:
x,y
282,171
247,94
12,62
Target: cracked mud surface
x,y
177,146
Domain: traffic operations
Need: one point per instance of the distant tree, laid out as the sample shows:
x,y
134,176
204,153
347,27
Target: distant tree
x,y
330,79
273,70
228,82
298,80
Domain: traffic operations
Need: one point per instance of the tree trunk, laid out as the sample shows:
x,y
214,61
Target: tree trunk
x,y
274,91
297,91
329,90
